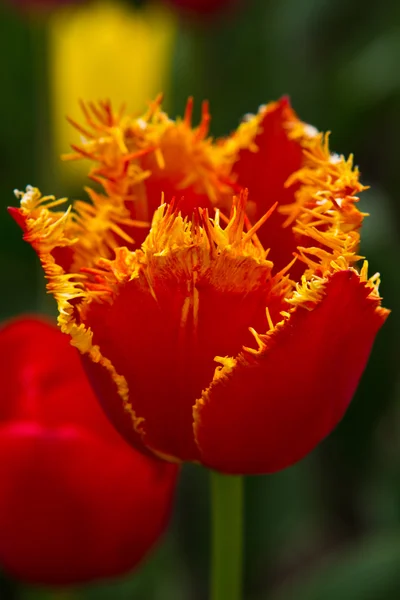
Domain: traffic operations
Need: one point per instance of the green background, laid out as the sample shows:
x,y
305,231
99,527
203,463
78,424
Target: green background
x,y
329,527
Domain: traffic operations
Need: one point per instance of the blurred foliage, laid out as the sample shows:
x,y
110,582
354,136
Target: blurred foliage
x,y
330,526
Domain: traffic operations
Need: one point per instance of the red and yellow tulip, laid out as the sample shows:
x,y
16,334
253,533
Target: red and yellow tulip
x,y
214,288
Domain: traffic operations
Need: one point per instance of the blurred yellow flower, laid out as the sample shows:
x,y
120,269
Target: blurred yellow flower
x,y
106,49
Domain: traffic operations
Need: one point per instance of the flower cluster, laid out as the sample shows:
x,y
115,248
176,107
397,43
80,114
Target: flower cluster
x,y
214,287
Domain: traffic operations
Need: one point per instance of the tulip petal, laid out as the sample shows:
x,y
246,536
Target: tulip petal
x,y
170,313
263,165
266,411
73,509
41,376
76,502
165,350
184,167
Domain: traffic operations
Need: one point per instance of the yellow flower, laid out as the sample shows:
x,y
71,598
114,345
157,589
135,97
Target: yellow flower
x,y
100,46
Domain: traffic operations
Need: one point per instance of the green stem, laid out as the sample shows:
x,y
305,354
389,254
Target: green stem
x,y
227,537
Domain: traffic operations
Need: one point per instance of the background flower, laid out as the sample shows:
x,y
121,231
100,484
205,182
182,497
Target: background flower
x,y
202,7
76,503
86,42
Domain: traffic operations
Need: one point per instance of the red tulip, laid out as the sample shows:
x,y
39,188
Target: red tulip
x,y
210,342
76,502
201,7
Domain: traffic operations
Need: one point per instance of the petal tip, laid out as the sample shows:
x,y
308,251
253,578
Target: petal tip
x,y
18,217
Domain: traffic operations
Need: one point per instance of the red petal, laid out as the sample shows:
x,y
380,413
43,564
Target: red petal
x,y
188,197
166,354
73,509
63,256
17,216
271,411
202,8
264,174
189,172
42,378
76,502
107,394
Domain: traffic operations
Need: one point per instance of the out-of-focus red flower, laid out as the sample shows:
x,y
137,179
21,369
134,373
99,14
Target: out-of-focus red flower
x,y
201,7
76,502
236,333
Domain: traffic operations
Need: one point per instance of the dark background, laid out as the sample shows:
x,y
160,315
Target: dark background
x,y
329,527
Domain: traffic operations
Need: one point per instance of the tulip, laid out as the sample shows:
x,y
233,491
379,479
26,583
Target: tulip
x,y
76,502
201,7
234,329
126,50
